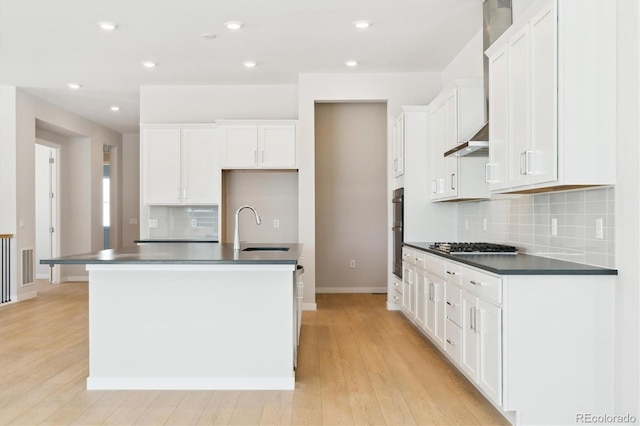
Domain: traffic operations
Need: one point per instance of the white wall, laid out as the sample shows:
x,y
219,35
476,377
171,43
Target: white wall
x,y
19,113
205,104
396,89
627,390
468,62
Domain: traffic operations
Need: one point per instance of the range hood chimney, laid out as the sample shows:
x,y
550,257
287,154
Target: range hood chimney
x,y
496,18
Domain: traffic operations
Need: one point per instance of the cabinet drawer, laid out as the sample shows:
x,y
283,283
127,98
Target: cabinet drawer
x,y
452,272
434,265
486,286
452,303
418,259
452,344
408,256
397,286
396,297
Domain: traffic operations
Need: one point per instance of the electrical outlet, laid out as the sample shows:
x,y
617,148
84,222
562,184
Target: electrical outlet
x,y
554,226
352,263
276,223
194,223
153,223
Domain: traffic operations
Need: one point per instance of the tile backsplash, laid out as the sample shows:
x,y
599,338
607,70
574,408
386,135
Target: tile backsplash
x,y
184,222
577,226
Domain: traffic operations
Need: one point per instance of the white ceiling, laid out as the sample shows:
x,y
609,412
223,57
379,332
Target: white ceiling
x,y
46,44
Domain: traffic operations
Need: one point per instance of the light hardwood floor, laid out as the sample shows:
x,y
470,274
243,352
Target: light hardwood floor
x,y
358,364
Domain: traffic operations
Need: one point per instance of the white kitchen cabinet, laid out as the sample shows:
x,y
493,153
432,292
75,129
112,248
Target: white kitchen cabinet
x,y
265,145
435,315
481,356
179,165
536,369
551,101
421,294
408,289
454,115
398,146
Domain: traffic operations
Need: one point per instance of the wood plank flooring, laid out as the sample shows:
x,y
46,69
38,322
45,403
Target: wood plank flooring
x,y
359,364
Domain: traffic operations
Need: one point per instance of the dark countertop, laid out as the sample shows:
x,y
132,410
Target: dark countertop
x,y
185,254
174,241
519,264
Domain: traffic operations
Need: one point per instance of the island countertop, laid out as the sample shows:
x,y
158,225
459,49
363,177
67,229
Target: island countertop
x,y
185,254
519,264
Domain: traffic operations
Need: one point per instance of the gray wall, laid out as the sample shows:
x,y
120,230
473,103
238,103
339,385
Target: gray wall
x,y
351,196
274,194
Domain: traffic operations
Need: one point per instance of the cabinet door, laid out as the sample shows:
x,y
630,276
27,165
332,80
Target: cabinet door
x,y
161,166
434,153
200,169
407,289
542,156
470,340
421,287
489,329
240,145
277,146
499,122
435,309
519,106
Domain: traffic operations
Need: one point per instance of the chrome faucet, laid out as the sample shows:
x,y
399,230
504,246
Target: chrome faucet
x,y
236,235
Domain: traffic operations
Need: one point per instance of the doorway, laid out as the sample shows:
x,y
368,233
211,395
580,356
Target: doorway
x,y
351,197
47,210
106,196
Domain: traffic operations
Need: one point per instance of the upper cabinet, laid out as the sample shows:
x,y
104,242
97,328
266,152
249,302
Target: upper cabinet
x,y
453,116
552,100
179,165
247,145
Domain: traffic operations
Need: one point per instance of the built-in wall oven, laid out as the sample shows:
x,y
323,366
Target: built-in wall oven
x,y
397,201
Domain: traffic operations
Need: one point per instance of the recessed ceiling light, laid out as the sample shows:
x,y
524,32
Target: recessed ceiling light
x,y
351,63
361,25
115,108
249,64
74,86
233,25
108,26
149,64
209,36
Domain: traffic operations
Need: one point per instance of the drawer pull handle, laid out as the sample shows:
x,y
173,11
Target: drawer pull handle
x,y
451,273
475,282
451,304
451,342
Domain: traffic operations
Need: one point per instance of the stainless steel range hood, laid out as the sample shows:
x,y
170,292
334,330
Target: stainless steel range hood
x,y
496,18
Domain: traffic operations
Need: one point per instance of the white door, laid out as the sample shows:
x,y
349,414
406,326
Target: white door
x,y
470,353
519,106
47,225
499,122
162,165
490,333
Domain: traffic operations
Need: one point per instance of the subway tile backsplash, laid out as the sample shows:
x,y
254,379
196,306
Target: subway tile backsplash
x,y
561,225
184,222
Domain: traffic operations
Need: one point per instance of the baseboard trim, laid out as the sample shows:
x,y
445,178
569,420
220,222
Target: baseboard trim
x,y
190,383
351,289
393,307
79,278
309,307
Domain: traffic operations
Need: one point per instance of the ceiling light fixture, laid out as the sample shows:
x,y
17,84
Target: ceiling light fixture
x,y
115,108
74,86
233,25
108,26
351,63
208,36
149,64
249,64
361,25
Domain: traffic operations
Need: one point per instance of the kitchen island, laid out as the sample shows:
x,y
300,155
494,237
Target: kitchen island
x,y
191,316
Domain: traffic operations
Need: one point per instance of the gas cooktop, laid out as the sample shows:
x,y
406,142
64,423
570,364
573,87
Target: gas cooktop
x,y
474,248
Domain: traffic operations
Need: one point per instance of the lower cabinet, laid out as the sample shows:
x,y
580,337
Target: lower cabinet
x,y
538,347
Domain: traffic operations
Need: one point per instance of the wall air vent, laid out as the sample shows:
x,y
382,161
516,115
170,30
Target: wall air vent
x,y
27,267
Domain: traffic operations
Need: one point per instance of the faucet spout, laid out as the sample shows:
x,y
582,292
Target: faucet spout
x,y
236,234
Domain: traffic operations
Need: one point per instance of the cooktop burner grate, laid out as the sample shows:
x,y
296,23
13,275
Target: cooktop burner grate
x,y
474,248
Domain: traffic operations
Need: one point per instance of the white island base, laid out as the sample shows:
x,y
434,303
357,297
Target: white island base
x,y
173,326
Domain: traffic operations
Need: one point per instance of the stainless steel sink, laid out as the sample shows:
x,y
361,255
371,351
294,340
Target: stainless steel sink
x,y
266,249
